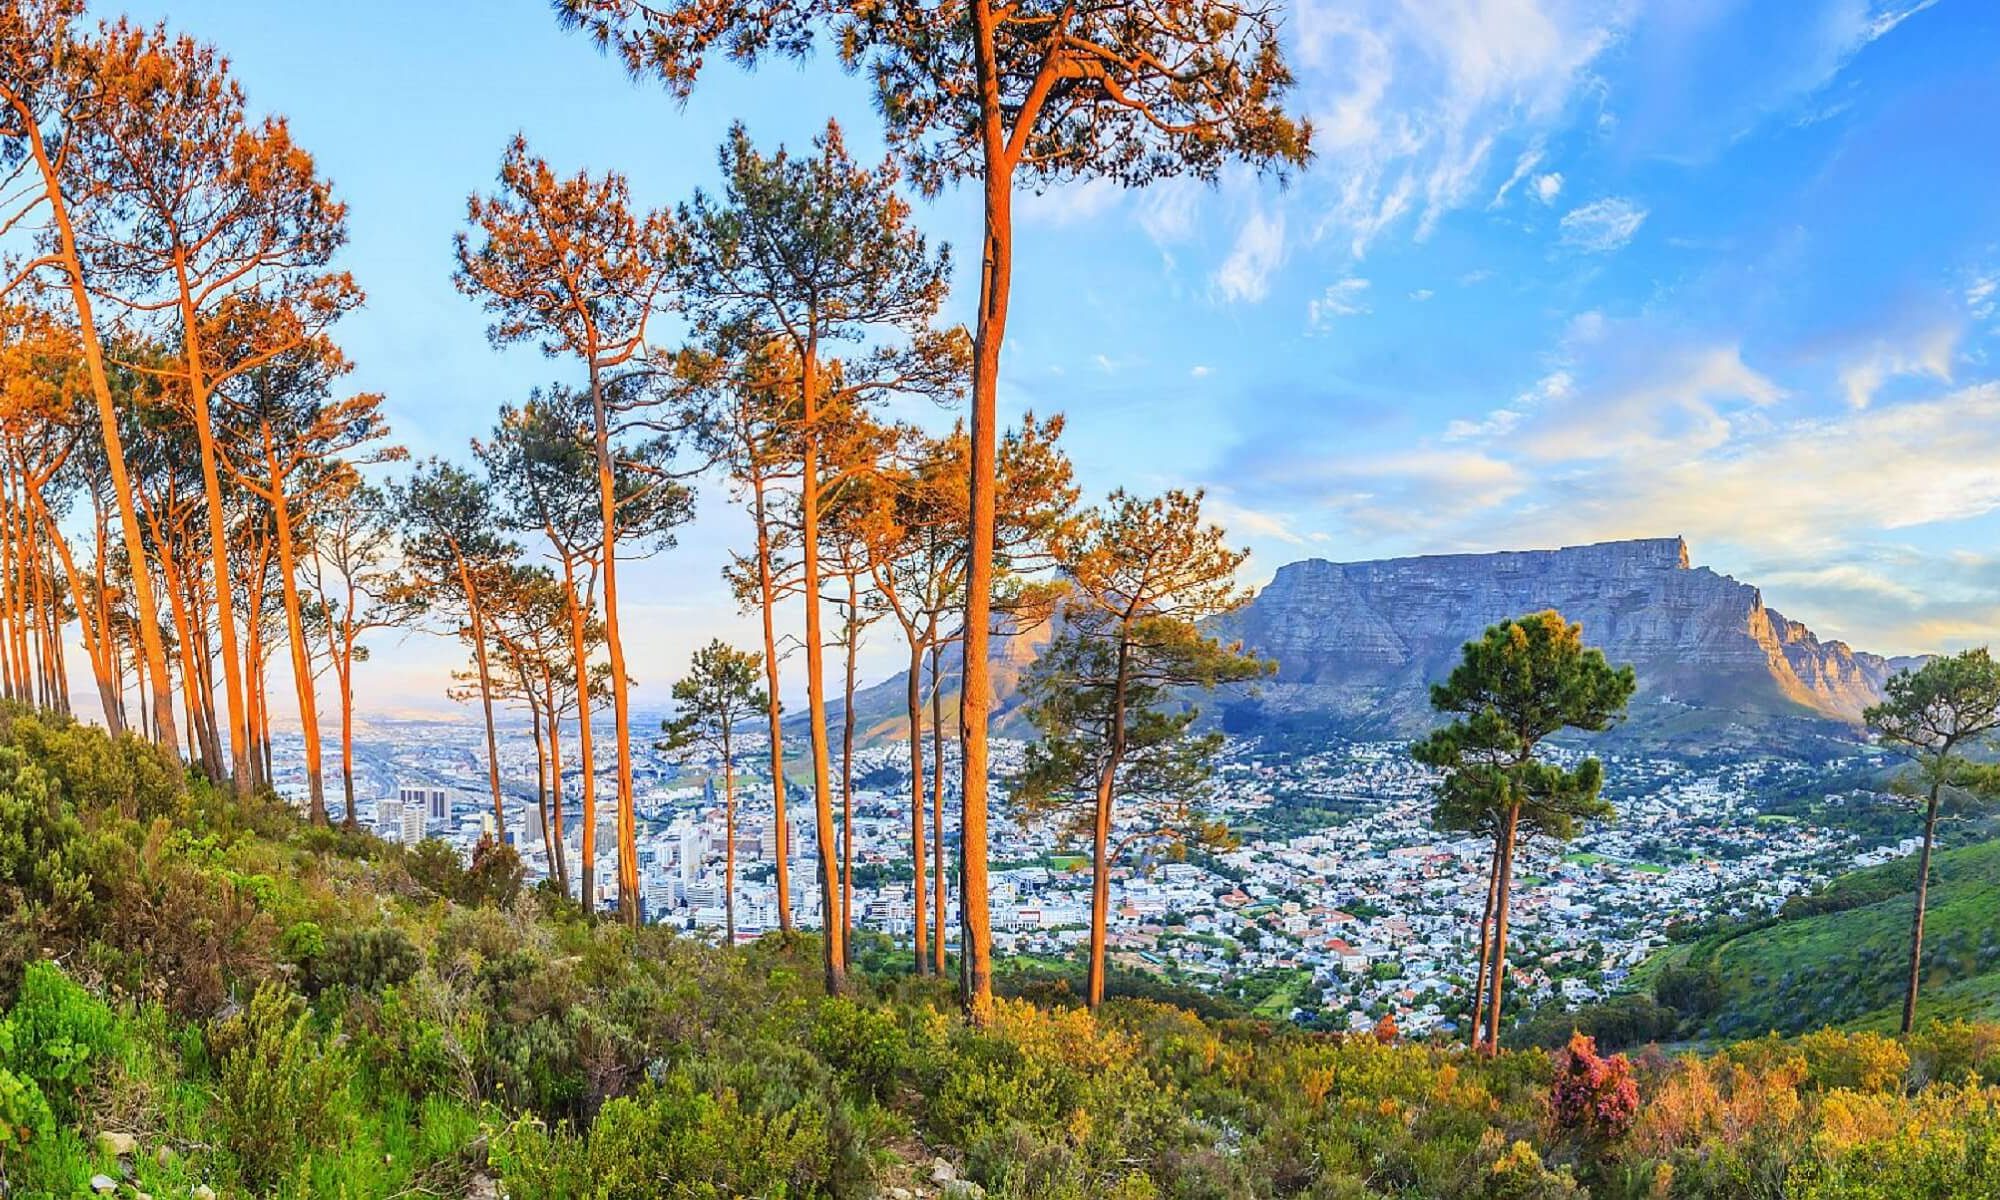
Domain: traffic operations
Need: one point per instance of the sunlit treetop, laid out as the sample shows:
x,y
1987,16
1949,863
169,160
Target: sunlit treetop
x,y
1133,90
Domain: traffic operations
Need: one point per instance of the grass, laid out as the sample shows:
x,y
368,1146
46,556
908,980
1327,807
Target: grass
x,y
1849,967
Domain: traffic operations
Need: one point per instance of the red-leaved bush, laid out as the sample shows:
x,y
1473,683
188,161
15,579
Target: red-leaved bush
x,y
1592,1094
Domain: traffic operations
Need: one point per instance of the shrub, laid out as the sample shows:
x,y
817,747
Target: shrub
x,y
496,875
278,1088
61,1034
1593,1095
1864,1062
366,960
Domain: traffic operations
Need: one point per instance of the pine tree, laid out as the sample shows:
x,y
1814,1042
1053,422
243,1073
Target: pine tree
x,y
717,696
1523,681
1932,715
566,262
1106,696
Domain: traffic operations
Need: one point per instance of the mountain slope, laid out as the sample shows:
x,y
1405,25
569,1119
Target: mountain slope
x,y
1844,959
1358,643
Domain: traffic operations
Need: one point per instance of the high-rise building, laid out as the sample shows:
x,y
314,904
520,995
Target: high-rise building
x,y
413,825
433,802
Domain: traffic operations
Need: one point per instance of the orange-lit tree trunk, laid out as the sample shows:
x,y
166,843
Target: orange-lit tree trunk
x,y
822,768
1100,831
1477,1016
621,712
938,896
107,420
975,693
476,613
218,535
851,644
767,601
1501,905
302,674
914,699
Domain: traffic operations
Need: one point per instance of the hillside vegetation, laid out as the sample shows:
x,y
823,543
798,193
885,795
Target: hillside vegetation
x,y
1840,956
205,997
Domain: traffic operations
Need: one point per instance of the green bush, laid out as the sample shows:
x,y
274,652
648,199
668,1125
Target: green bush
x,y
280,1090
366,960
60,1035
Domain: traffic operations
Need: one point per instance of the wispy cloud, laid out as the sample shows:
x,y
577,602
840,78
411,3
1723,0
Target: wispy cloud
x,y
1071,204
1411,101
1928,353
1343,298
1602,225
1259,251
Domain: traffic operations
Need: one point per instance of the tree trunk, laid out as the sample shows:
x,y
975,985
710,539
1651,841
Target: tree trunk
x,y
475,612
536,718
829,864
1505,894
847,773
938,905
93,642
345,678
914,698
218,538
607,505
1917,925
585,744
975,694
767,601
1485,945
1100,832
107,421
302,675
558,856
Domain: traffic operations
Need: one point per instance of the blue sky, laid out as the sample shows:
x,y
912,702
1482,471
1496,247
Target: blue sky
x,y
1563,270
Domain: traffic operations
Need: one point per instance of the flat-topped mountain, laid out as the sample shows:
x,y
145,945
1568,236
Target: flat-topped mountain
x,y
1359,644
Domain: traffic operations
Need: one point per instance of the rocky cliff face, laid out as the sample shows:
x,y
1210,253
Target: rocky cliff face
x,y
1359,643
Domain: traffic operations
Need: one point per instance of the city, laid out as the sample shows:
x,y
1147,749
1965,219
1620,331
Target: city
x,y
1340,903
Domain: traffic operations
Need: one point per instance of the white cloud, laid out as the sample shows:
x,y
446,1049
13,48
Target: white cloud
x,y
1422,294
1981,296
1529,160
1167,210
1411,101
1651,402
1200,371
1251,522
1602,225
1343,298
1929,353
1548,187
1259,251
1554,386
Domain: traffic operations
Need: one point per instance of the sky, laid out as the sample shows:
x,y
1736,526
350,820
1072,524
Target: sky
x,y
1561,271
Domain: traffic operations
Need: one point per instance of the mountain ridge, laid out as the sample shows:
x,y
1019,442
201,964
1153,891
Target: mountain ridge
x,y
1358,643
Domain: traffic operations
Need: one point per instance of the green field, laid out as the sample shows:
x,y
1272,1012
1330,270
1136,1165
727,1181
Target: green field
x,y
1847,966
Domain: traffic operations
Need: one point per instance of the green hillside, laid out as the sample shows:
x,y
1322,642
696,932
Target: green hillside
x,y
1840,956
204,998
